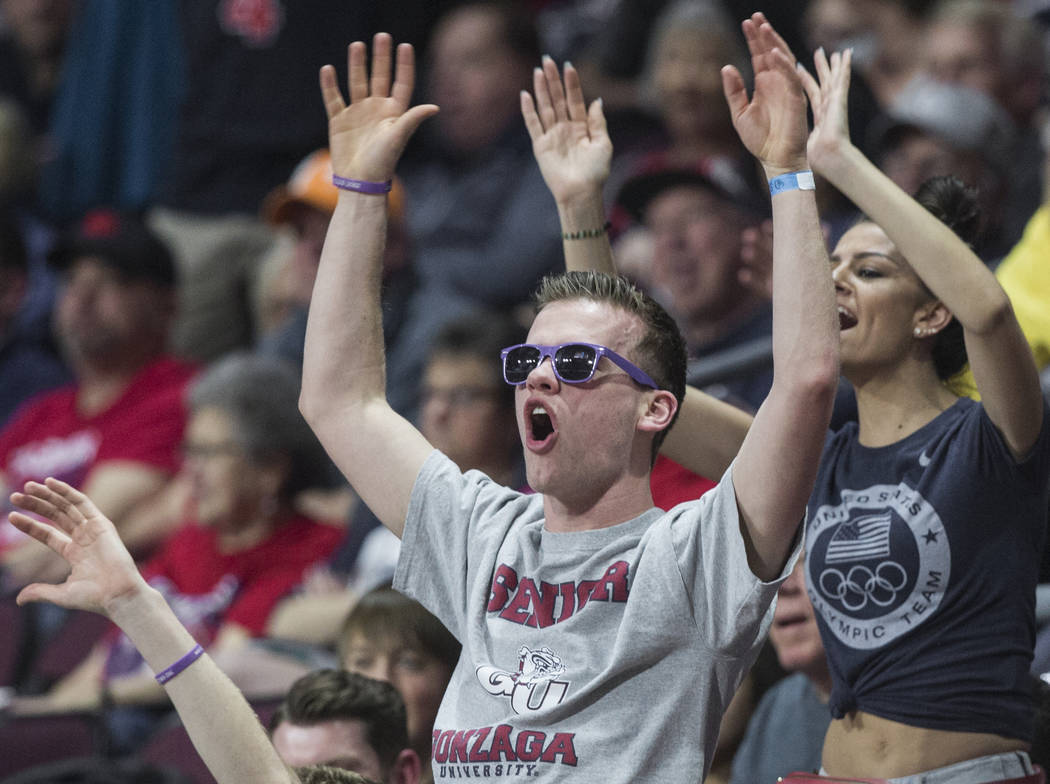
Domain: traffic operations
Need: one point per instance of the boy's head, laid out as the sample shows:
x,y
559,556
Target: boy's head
x,y
392,638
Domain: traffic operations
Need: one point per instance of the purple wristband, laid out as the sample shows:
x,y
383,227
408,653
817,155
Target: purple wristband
x,y
361,186
180,665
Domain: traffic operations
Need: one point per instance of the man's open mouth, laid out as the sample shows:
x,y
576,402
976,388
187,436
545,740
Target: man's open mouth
x,y
540,425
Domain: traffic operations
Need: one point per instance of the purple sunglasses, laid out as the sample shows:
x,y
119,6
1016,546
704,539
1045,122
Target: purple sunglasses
x,y
573,363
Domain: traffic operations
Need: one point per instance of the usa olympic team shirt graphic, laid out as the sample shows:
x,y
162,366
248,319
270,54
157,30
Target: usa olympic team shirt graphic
x,y
878,563
921,562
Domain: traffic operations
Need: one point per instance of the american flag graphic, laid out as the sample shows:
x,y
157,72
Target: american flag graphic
x,y
864,538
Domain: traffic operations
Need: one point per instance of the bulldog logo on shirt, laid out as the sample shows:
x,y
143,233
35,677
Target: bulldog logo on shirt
x,y
877,563
533,686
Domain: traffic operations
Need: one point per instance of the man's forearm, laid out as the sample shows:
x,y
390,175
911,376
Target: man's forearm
x,y
805,328
584,238
343,356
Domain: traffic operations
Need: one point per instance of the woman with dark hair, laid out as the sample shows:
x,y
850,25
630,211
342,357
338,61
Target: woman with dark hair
x,y
927,518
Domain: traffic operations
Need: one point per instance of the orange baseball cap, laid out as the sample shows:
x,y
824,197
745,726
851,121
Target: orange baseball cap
x,y
311,186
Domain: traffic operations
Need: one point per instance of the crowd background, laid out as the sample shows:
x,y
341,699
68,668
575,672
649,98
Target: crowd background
x,y
164,194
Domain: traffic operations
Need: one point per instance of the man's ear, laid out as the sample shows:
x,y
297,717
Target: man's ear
x,y
407,768
659,411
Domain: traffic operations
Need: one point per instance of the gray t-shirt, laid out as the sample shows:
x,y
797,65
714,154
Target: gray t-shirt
x,y
608,655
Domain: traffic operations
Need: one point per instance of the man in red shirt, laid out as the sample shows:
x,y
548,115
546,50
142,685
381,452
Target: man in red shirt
x,y
115,432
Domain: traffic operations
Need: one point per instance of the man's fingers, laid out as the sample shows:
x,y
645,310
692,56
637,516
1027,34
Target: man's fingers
x,y
382,59
785,64
357,68
776,41
408,122
750,28
333,99
735,92
405,74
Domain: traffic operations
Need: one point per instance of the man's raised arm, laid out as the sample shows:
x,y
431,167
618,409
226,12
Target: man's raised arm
x,y
344,376
778,461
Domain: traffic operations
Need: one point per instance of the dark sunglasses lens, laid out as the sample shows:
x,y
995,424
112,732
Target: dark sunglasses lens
x,y
519,363
575,363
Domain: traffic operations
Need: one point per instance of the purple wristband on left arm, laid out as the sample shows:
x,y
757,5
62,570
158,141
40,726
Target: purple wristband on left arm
x,y
361,186
166,675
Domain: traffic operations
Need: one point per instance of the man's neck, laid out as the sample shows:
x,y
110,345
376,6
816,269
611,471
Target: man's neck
x,y
99,388
626,500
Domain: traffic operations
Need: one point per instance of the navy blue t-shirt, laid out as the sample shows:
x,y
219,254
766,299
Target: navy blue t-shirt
x,y
921,560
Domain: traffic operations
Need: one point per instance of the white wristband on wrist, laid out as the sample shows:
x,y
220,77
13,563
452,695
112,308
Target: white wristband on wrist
x,y
792,181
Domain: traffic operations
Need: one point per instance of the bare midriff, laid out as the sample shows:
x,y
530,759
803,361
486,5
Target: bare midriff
x,y
865,746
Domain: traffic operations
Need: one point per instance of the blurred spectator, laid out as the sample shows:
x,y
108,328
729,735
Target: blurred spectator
x,y
32,50
113,116
886,37
18,153
866,27
468,409
985,45
27,366
689,45
476,202
467,413
1025,275
392,638
18,170
304,206
837,25
786,731
681,90
116,430
613,62
697,230
933,129
242,546
345,720
248,117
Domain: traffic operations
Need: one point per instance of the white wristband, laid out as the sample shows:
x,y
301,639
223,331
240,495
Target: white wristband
x,y
792,181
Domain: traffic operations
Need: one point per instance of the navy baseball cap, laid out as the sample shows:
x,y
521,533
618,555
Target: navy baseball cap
x,y
641,189
121,240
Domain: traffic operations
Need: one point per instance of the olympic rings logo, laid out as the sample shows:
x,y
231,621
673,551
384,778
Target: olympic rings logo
x,y
860,585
